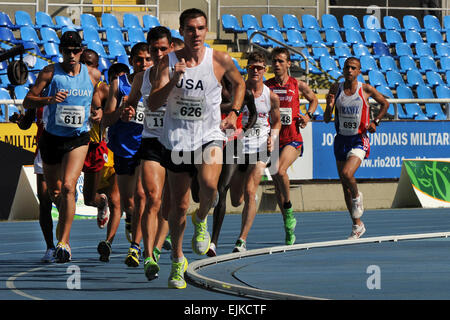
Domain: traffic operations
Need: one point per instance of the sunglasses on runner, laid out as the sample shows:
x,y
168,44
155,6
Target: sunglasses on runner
x,y
71,50
255,67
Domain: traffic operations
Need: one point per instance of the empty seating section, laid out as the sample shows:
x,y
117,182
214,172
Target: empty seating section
x,y
403,58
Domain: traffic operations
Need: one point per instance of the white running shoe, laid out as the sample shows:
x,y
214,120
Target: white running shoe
x,y
103,212
357,207
49,255
357,231
212,250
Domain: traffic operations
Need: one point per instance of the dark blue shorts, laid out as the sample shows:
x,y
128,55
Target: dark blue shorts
x,y
126,165
344,144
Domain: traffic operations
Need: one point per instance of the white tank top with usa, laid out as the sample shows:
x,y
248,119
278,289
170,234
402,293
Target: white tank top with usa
x,y
255,139
193,116
153,120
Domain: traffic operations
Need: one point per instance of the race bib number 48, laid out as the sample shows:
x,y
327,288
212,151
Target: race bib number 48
x,y
286,116
70,116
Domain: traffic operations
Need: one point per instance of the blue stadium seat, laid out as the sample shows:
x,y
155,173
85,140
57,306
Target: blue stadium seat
x,y
98,47
404,49
28,33
291,22
43,19
21,91
110,21
249,22
241,70
257,38
149,21
65,22
176,34
130,20
391,109
23,18
313,37
230,24
388,63
136,35
413,37
412,23
5,21
427,64
393,37
443,92
442,50
407,63
349,21
8,36
276,34
423,49
116,35
329,21
372,36
392,23
333,37
4,95
49,35
328,63
431,22
311,66
87,19
371,22
414,78
335,74
368,63
413,110
52,51
103,64
380,49
270,22
310,22
353,36
360,50
319,50
434,36
116,49
295,38
376,78
432,110
394,79
90,33
445,64
434,79
342,50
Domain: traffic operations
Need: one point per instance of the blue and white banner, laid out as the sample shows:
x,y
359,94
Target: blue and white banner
x,y
393,142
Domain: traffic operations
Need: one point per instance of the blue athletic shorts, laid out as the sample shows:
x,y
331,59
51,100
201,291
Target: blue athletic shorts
x,y
344,144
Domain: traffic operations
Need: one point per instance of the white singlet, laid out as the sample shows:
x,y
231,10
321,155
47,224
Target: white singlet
x,y
193,116
154,120
256,138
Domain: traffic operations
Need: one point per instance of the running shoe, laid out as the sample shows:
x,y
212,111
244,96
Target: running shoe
x,y
49,255
289,226
240,246
132,259
176,278
357,231
151,268
62,253
128,233
212,250
357,207
167,245
104,249
156,254
201,238
103,212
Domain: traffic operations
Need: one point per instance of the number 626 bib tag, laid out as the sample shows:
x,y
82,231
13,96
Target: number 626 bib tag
x,y
187,108
70,116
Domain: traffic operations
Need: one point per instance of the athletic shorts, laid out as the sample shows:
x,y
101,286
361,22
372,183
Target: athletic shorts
x,y
53,148
180,161
105,175
38,168
233,152
151,149
96,157
126,165
346,146
296,144
253,158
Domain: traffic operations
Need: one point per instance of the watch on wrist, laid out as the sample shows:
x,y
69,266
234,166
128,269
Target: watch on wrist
x,y
377,122
310,115
236,111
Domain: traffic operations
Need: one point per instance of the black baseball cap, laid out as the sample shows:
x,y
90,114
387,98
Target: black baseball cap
x,y
70,39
